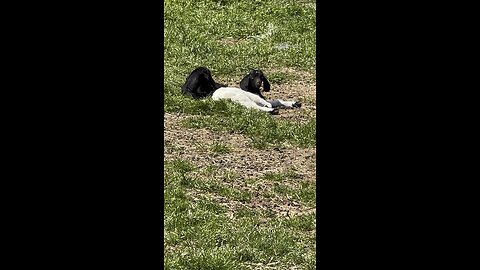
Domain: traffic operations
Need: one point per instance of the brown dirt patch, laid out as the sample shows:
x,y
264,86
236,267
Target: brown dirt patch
x,y
298,91
190,144
300,75
245,165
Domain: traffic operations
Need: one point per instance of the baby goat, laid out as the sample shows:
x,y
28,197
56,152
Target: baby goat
x,y
200,84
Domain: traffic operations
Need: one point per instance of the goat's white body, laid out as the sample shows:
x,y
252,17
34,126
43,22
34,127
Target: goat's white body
x,y
242,97
248,99
281,103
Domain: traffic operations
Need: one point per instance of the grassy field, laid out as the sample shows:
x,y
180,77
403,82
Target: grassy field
x,y
240,184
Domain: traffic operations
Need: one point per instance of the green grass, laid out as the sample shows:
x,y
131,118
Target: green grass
x,y
221,148
303,192
231,37
194,30
199,234
263,130
280,176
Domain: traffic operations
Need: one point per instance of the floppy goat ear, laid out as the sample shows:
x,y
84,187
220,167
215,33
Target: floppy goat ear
x,y
266,84
245,83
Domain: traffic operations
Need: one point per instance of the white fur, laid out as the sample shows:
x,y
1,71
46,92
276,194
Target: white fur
x,y
248,99
280,103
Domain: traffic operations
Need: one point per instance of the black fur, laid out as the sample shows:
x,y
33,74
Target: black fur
x,y
200,84
252,82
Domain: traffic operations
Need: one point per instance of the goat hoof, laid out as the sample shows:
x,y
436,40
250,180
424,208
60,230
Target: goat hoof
x,y
297,105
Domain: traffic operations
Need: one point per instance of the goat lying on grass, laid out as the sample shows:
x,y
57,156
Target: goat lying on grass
x,y
200,84
252,83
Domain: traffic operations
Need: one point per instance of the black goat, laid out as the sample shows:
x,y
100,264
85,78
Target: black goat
x,y
253,81
200,84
